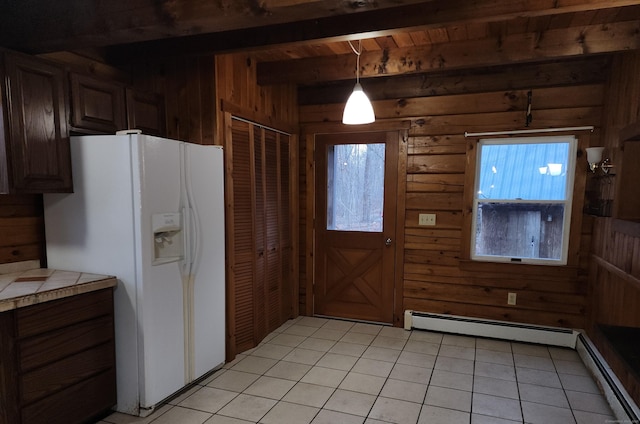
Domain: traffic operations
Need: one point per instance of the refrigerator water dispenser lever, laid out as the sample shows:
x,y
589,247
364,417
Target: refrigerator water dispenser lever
x,y
167,238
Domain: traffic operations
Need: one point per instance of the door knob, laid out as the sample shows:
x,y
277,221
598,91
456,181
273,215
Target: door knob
x,y
387,242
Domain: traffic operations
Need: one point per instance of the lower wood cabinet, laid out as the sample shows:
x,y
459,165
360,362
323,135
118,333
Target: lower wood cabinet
x,y
57,360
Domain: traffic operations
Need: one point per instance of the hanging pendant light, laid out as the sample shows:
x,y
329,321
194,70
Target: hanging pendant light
x,y
358,109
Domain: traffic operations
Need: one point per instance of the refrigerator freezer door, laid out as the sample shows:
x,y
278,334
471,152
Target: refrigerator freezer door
x,y
92,230
160,300
205,181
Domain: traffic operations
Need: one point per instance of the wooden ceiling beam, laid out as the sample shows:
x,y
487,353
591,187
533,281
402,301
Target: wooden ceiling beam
x,y
515,48
580,71
40,26
339,25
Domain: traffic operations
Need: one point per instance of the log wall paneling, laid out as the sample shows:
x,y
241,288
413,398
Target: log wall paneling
x,y
22,228
614,261
440,168
236,79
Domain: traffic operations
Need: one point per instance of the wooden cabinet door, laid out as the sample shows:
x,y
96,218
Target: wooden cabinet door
x,y
145,111
97,105
36,138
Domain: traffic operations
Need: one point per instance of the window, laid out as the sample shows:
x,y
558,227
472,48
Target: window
x,y
355,187
522,201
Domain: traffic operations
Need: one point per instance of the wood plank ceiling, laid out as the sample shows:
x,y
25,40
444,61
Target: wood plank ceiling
x,y
306,41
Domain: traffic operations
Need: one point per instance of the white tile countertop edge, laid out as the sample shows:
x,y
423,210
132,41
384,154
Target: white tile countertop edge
x,y
26,288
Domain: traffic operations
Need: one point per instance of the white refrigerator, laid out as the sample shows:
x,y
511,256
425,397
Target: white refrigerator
x,y
151,212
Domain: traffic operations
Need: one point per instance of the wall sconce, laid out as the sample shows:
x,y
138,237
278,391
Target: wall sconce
x,y
358,109
594,157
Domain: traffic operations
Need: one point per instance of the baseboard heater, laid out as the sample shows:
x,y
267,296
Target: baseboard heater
x,y
553,336
621,403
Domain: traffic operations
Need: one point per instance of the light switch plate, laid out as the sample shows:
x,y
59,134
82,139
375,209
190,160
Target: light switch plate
x,y
427,219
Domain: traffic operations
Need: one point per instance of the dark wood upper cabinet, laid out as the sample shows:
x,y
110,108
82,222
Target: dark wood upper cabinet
x,y
146,112
97,105
34,144
101,106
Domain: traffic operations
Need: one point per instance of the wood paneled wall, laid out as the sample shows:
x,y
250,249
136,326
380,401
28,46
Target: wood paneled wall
x,y
195,87
614,265
437,275
21,228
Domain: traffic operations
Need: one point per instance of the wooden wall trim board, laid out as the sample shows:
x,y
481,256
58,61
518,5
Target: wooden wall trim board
x,y
257,117
326,127
311,216
230,304
618,272
398,307
294,163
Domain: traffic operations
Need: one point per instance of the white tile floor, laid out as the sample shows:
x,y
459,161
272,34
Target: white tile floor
x,y
314,370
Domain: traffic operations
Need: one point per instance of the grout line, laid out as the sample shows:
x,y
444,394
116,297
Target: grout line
x,y
350,370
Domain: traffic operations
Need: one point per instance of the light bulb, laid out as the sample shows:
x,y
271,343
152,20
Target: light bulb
x,y
358,109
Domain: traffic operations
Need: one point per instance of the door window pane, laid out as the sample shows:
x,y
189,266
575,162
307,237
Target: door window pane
x,y
355,187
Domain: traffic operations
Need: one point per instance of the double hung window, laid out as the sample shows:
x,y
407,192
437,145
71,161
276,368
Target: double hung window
x,y
522,201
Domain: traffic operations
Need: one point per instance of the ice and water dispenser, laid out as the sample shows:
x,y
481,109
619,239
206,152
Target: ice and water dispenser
x,y
168,243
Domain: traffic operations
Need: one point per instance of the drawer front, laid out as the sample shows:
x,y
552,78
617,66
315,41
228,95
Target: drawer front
x,y
9,412
70,371
75,405
48,316
53,346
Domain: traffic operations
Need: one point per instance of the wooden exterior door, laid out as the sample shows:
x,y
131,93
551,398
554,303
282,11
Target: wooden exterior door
x,y
356,188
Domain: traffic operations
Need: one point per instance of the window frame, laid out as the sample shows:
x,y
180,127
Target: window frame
x,y
567,202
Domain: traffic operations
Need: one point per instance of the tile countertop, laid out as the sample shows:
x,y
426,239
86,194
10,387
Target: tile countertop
x,y
39,285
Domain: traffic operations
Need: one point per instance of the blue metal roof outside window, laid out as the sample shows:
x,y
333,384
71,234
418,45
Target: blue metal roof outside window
x,y
527,171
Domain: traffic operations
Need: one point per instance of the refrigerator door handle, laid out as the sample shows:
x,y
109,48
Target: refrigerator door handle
x,y
194,231
186,261
194,224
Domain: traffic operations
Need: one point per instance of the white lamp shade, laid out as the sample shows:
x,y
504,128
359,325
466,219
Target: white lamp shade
x,y
594,154
358,109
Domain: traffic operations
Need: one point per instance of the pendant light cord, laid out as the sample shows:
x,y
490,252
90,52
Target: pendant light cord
x,y
357,52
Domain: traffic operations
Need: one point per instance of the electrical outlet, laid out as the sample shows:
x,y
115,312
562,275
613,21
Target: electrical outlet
x,y
427,219
511,299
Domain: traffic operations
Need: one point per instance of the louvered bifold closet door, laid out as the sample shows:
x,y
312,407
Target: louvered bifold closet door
x,y
272,210
242,239
285,221
258,233
260,293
